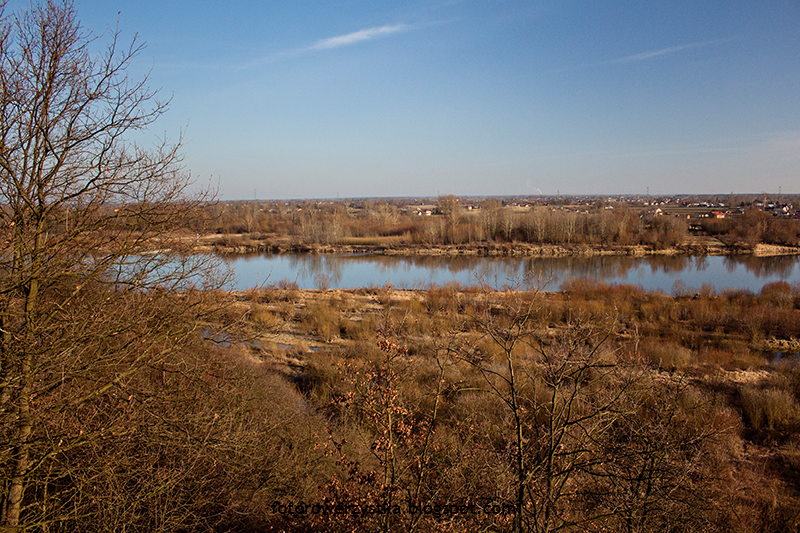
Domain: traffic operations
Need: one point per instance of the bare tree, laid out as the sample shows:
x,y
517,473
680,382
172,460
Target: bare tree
x,y
509,217
576,406
490,210
81,307
450,207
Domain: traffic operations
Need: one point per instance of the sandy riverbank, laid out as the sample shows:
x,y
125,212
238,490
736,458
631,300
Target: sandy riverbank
x,y
242,244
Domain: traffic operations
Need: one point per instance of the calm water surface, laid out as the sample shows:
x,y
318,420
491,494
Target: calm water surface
x,y
652,273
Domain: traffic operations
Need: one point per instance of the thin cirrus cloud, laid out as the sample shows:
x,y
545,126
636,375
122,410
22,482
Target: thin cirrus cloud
x,y
330,43
643,56
357,37
664,51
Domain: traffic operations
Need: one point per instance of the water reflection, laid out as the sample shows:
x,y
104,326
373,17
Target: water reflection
x,y
700,263
781,266
652,272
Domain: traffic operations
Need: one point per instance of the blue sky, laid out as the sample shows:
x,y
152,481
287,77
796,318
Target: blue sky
x,y
312,99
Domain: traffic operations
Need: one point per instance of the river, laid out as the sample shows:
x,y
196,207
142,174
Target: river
x,y
665,273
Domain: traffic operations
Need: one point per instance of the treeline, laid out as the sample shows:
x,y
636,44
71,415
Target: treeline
x,y
754,226
376,222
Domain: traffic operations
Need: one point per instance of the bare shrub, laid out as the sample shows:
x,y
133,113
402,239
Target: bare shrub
x,y
666,355
790,453
768,408
264,318
288,291
322,320
322,281
716,357
320,381
360,330
749,361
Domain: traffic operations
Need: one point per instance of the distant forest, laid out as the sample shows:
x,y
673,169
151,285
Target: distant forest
x,y
737,223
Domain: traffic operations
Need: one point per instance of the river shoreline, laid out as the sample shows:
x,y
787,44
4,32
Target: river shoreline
x,y
242,245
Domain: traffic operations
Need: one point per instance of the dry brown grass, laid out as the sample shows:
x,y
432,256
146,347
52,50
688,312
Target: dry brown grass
x,y
667,355
769,408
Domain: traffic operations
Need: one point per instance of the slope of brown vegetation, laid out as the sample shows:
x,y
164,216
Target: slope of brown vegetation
x,y
597,408
423,392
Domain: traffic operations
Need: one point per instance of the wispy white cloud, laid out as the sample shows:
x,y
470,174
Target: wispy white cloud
x,y
664,51
357,36
644,56
334,42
